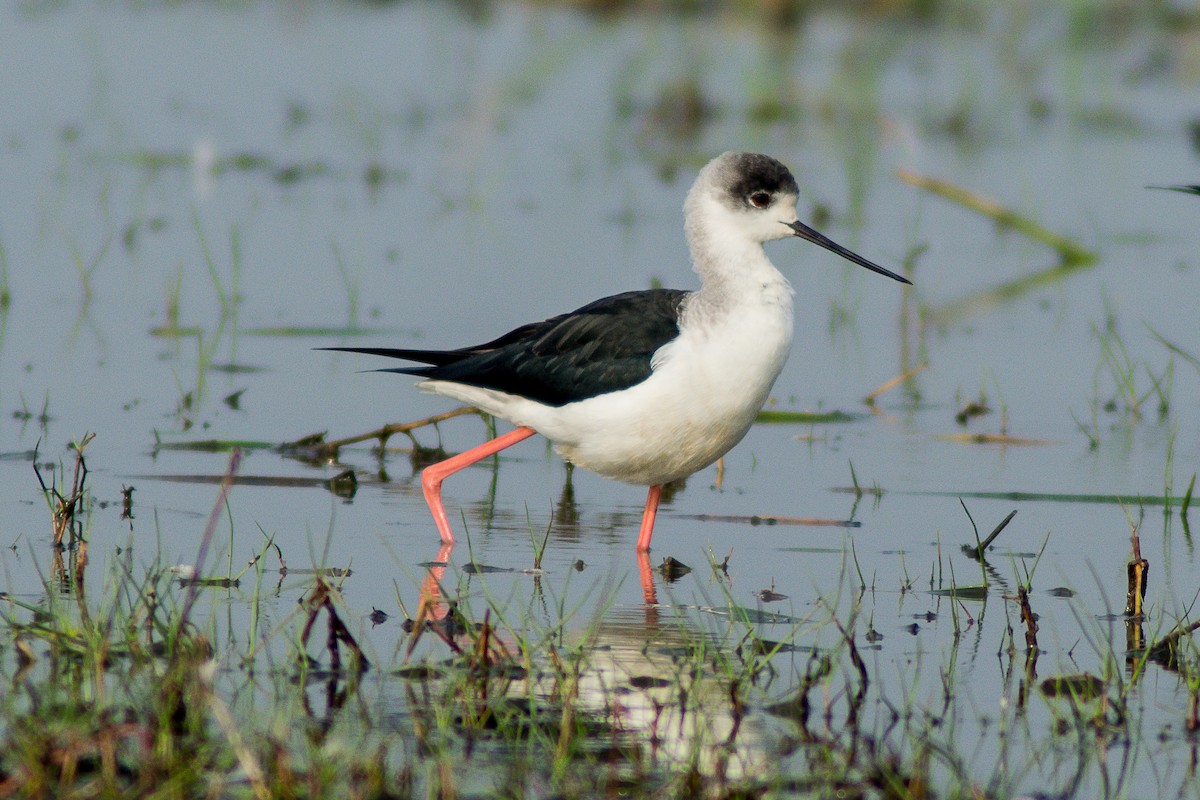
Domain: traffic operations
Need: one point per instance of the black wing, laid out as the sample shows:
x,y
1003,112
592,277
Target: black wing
x,y
602,347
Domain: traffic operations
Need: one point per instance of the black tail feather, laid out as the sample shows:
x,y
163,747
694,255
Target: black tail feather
x,y
438,358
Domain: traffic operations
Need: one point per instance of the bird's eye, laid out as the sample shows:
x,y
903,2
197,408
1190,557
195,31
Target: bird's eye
x,y
760,199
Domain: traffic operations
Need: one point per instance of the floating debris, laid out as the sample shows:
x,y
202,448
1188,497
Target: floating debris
x,y
976,408
1083,686
474,568
672,569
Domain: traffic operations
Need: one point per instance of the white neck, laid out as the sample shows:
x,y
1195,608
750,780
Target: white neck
x,y
734,269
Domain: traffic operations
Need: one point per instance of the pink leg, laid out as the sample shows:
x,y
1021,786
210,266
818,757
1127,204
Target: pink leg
x,y
652,498
432,477
646,575
431,605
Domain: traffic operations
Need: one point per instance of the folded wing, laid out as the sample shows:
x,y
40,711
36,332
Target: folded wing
x,y
602,347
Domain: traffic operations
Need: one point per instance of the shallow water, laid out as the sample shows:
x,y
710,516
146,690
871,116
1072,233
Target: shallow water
x,y
295,176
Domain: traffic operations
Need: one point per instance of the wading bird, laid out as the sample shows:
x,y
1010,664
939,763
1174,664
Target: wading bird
x,y
645,387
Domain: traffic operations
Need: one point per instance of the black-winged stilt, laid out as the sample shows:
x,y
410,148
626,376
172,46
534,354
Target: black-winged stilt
x,y
649,386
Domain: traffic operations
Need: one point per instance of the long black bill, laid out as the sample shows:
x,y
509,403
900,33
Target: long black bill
x,y
808,234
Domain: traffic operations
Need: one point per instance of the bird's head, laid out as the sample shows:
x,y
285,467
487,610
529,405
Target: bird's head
x,y
753,197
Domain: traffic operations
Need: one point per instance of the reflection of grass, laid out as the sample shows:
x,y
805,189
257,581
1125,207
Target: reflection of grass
x,y
1176,349
351,285
226,283
1059,497
315,330
25,414
768,416
1185,189
5,291
1002,293
1123,370
298,331
228,297
173,299
1071,253
1072,256
86,269
283,173
1129,396
992,438
671,701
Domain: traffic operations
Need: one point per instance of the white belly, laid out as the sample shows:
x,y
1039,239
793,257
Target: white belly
x,y
701,399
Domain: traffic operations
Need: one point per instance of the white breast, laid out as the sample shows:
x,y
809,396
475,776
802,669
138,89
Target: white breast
x,y
706,389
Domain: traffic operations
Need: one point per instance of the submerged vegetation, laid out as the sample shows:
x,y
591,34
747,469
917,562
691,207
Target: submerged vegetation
x,y
138,685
